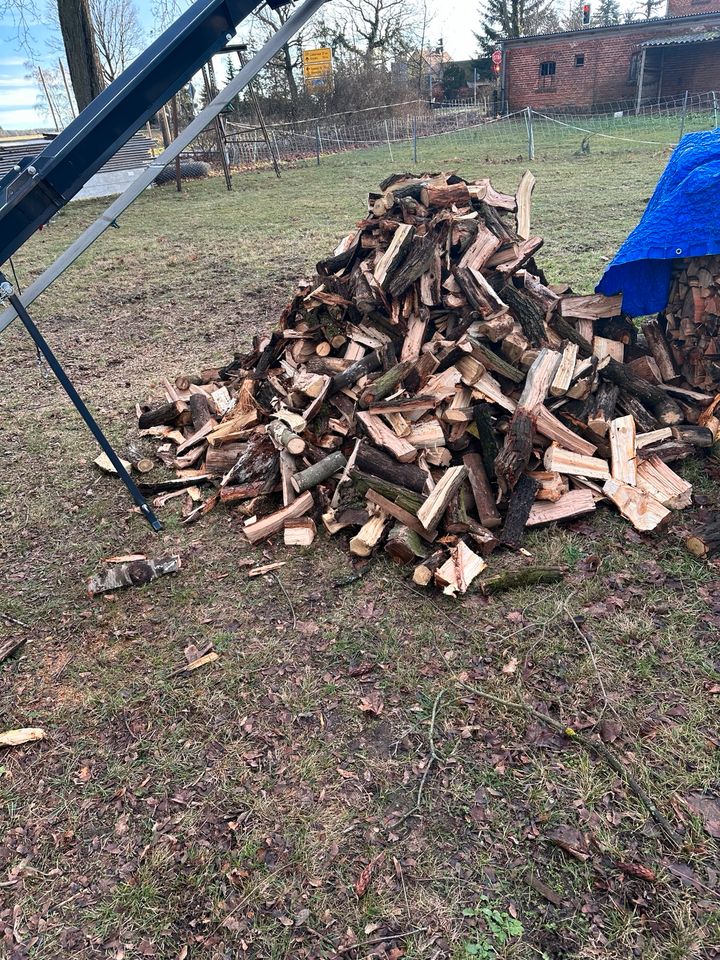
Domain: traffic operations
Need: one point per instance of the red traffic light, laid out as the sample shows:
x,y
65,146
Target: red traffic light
x,y
586,13
495,67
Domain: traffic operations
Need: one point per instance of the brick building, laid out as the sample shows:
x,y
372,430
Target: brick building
x,y
630,63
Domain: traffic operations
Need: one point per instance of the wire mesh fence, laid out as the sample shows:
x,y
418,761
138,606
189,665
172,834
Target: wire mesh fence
x,y
405,129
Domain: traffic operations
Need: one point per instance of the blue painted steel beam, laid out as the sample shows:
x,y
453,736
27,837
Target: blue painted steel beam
x,y
31,196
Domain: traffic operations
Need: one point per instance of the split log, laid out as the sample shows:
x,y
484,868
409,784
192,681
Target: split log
x,y
299,533
564,374
318,472
436,196
622,450
661,482
666,410
218,460
603,408
575,464
400,449
432,510
418,260
459,570
262,529
529,312
368,536
574,503
521,502
643,511
399,245
522,199
658,347
482,491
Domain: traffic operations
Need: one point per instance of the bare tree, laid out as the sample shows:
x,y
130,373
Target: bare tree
x,y
375,31
118,32
289,57
78,37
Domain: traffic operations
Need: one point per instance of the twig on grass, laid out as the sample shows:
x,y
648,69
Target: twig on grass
x,y
592,746
287,597
432,759
390,936
608,705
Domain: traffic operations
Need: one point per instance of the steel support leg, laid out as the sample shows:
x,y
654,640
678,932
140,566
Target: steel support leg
x,y
7,293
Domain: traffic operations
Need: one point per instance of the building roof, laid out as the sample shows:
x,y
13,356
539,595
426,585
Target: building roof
x,y
703,36
633,25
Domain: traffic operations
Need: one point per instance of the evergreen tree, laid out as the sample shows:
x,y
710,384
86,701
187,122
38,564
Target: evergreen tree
x,y
647,9
505,19
608,13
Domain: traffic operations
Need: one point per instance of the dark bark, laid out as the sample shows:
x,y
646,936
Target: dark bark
x,y
409,500
166,413
528,577
372,460
81,50
519,510
489,448
527,311
666,410
516,452
368,364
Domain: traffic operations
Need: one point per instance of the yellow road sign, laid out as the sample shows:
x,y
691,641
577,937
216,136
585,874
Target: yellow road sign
x,y
317,56
317,70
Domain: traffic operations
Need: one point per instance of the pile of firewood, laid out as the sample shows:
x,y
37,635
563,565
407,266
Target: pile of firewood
x,y
692,321
430,392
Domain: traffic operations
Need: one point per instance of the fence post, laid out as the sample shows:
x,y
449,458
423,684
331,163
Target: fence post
x,y
414,138
387,135
682,115
715,113
277,148
317,143
530,133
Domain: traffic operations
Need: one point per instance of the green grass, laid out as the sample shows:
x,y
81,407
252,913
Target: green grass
x,y
231,811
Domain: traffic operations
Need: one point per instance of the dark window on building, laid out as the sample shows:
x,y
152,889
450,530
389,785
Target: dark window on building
x,y
634,68
579,59
547,68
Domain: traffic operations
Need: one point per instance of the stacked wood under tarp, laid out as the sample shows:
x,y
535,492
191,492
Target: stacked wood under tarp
x,y
692,322
431,394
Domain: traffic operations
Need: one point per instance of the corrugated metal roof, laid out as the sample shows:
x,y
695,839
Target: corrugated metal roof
x,y
700,37
134,154
617,27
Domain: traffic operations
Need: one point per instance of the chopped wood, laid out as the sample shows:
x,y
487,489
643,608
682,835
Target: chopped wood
x,y
429,378
262,529
574,503
575,464
299,533
622,450
642,510
459,571
661,482
432,510
369,535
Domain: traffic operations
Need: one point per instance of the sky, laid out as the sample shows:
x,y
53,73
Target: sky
x,y
454,22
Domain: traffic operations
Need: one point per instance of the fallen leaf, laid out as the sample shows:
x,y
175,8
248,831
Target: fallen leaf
x,y
511,666
707,809
712,688
637,870
572,841
16,738
372,704
363,881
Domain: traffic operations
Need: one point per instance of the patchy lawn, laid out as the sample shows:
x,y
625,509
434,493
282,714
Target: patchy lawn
x,y
231,812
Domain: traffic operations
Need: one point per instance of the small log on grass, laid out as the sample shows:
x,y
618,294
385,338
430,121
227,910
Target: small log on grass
x,y
705,542
527,577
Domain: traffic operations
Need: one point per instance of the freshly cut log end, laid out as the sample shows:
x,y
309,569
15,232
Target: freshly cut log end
x,y
705,542
644,512
299,533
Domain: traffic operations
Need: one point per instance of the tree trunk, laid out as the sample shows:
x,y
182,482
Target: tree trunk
x,y
81,50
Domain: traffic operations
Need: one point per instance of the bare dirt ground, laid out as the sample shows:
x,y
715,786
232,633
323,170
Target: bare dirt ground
x,y
232,813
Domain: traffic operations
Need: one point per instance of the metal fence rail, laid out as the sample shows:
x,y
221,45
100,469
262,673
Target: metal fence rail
x,y
403,128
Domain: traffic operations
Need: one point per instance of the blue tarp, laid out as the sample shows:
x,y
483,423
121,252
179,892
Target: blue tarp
x,y
681,220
